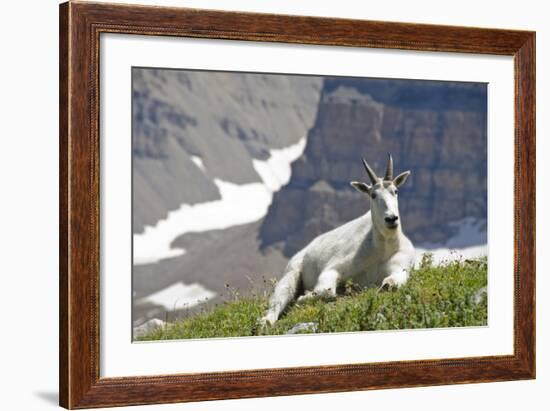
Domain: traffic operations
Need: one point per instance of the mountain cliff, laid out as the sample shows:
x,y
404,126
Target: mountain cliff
x,y
438,130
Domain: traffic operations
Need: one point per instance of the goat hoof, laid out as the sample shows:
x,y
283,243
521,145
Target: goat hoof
x,y
386,286
305,297
265,322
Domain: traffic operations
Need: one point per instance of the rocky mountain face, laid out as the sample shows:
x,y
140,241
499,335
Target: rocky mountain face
x,y
438,130
191,127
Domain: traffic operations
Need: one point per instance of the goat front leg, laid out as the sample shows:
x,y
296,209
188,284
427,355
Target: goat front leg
x,y
325,286
397,269
395,279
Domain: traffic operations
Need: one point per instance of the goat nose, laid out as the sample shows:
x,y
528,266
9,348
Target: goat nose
x,y
391,219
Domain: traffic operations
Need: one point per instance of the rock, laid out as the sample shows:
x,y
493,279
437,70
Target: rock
x,y
311,327
380,317
148,326
478,296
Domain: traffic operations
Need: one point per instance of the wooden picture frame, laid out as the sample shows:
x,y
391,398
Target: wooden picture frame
x,y
80,27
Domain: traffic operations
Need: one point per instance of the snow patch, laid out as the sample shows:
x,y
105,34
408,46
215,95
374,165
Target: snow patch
x,y
179,296
469,242
198,162
275,172
443,255
239,204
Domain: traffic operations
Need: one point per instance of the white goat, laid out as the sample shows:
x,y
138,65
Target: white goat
x,y
370,250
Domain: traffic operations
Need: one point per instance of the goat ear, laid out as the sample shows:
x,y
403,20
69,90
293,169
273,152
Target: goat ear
x,y
401,178
361,187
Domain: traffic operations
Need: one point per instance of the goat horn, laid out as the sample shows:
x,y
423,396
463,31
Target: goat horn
x,y
371,174
389,169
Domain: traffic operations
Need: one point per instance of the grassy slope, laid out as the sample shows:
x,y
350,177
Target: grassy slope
x,y
435,296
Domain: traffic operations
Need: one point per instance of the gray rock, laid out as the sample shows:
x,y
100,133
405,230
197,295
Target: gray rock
x,y
380,317
311,327
148,326
478,296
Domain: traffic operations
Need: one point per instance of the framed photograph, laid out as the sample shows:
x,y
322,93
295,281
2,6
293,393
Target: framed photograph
x,y
260,205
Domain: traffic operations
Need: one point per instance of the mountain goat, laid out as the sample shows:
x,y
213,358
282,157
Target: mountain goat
x,y
370,250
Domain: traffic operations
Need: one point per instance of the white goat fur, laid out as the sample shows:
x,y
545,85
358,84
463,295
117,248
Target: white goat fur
x,y
371,250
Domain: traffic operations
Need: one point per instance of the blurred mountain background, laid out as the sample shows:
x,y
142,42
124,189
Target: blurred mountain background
x,y
235,172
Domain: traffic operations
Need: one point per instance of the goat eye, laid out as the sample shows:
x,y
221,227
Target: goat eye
x,y
395,192
373,196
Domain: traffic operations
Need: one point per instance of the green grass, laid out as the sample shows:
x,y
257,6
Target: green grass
x,y
435,296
